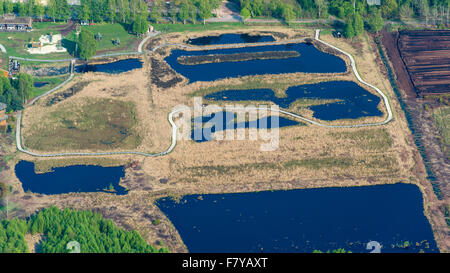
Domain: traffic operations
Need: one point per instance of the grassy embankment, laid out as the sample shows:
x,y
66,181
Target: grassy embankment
x,y
442,120
198,27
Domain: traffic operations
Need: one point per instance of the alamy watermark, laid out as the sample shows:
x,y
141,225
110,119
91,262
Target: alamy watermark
x,y
205,122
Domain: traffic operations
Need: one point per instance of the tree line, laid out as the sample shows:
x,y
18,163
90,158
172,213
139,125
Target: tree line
x,y
129,11
431,11
59,227
16,91
113,11
183,10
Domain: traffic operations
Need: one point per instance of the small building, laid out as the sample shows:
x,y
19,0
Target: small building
x,y
14,67
11,23
3,115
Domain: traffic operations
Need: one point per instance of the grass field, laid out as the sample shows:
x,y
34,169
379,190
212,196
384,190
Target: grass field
x,y
110,32
372,139
52,82
90,124
16,42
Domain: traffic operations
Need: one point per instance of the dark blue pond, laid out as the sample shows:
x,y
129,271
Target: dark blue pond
x,y
40,84
303,220
206,126
111,68
354,101
230,39
78,178
311,60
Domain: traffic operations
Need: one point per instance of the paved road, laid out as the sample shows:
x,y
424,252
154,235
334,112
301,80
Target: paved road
x,y
74,59
175,111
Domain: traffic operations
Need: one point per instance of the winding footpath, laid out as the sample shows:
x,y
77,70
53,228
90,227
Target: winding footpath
x,y
2,49
171,114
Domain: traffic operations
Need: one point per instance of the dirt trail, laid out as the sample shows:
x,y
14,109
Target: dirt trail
x,y
67,28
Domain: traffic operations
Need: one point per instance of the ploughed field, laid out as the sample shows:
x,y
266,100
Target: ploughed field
x,y
426,55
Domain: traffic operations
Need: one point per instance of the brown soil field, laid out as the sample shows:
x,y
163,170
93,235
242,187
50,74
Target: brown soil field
x,y
427,134
402,77
307,156
426,55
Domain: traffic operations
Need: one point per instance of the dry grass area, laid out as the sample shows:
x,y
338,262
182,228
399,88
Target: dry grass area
x,y
99,124
109,112
307,156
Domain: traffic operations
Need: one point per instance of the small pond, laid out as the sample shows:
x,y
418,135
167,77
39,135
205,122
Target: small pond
x,y
353,101
116,67
230,39
77,178
304,220
40,84
207,125
311,60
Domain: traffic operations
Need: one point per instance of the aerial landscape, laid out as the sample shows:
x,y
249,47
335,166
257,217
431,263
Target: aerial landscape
x,y
236,126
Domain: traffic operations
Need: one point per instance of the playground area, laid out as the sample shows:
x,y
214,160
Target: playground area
x,y
47,44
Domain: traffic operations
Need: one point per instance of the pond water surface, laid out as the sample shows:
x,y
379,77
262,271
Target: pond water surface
x,y
311,60
207,125
77,178
230,39
304,220
353,100
40,84
116,67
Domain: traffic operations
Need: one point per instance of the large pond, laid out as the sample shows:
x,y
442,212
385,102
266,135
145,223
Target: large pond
x,y
77,178
311,60
116,67
353,101
304,220
230,39
207,125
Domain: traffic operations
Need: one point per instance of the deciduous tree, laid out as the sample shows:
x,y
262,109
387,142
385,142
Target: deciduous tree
x,y
87,45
